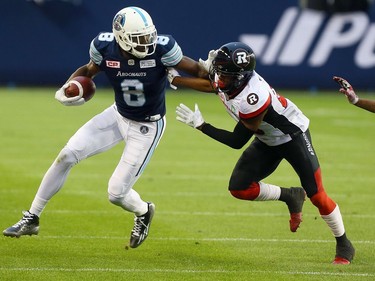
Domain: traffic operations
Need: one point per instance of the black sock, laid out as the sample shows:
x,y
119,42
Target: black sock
x,y
342,240
285,194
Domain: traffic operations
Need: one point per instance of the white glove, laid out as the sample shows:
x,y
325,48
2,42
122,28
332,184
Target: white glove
x,y
187,116
206,64
347,89
61,97
172,73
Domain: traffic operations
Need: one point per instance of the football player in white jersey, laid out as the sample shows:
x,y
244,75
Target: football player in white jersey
x,y
135,60
281,131
352,97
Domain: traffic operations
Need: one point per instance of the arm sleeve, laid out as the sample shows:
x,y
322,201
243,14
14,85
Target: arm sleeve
x,y
236,139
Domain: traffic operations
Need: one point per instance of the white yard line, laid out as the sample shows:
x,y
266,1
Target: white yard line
x,y
41,269
215,214
217,239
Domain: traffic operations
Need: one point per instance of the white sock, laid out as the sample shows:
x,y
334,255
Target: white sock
x,y
335,222
268,192
37,206
53,180
132,202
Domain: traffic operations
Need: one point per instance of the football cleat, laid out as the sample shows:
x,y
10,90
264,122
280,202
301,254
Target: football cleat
x,y
28,225
295,204
295,221
141,227
344,254
339,260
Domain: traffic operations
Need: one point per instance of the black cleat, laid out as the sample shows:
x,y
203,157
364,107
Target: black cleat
x,y
28,225
295,204
141,227
344,254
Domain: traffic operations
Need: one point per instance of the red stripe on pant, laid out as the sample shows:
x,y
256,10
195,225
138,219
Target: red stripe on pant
x,y
321,200
251,193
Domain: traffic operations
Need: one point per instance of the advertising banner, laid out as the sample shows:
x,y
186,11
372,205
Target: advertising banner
x,y
296,47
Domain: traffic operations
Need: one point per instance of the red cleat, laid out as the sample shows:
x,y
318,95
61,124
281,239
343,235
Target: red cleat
x,y
340,260
295,204
295,221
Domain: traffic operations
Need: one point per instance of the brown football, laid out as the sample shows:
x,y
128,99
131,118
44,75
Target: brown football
x,y
81,83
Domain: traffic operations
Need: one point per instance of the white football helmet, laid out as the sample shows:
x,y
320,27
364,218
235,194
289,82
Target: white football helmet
x,y
135,32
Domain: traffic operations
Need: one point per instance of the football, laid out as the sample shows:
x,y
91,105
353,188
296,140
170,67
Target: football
x,y
81,84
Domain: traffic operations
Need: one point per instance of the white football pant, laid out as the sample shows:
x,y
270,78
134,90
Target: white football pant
x,y
99,134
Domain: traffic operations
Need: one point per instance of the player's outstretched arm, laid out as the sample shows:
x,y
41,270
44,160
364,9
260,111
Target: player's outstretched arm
x,y
352,97
368,105
191,67
198,84
197,78
236,139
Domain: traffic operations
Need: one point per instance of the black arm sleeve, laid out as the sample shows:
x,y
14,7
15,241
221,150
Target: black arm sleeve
x,y
236,139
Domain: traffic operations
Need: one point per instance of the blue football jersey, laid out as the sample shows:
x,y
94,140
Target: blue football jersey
x,y
139,84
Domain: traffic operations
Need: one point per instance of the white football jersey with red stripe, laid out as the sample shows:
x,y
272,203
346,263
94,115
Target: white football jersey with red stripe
x,y
282,120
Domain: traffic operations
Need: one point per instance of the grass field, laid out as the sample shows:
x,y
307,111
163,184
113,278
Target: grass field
x,y
199,231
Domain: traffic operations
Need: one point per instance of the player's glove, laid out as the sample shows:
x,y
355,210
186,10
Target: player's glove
x,y
61,97
186,115
206,64
346,89
172,74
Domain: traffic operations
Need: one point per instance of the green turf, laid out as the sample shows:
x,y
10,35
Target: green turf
x,y
199,231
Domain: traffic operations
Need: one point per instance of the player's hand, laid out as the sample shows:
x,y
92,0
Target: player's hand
x,y
186,115
172,74
346,89
61,97
206,64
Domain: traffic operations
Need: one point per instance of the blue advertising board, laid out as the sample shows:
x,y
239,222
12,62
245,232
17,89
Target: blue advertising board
x,y
44,41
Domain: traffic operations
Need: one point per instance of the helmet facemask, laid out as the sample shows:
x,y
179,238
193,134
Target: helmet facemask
x,y
226,82
141,45
135,32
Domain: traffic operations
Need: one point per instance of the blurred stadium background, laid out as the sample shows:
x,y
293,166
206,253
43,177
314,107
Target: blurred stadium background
x,y
200,232
299,44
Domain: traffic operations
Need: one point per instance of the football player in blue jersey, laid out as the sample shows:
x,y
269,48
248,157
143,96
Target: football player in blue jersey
x,y
352,97
281,132
135,60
